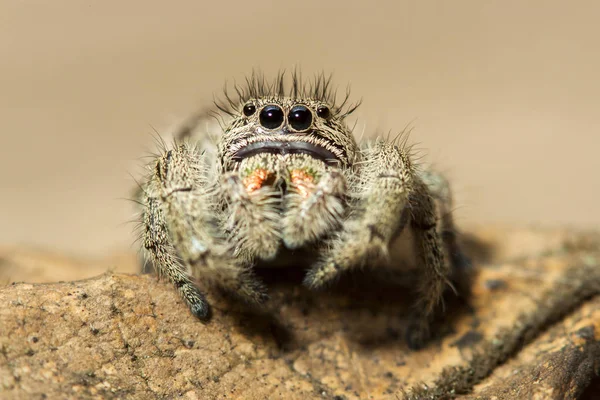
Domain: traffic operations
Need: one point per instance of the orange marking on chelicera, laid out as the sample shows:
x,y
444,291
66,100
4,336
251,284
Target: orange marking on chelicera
x,y
256,179
303,181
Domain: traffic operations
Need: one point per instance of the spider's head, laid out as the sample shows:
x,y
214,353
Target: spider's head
x,y
269,120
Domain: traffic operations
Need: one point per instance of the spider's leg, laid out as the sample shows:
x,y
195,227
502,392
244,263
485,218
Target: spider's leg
x,y
461,266
181,234
160,251
379,199
434,271
389,195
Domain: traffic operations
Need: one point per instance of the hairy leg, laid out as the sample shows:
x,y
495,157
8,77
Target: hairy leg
x,y
379,198
165,260
181,233
389,194
434,271
461,268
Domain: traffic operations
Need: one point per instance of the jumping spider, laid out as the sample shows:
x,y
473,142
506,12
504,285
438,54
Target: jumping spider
x,y
285,173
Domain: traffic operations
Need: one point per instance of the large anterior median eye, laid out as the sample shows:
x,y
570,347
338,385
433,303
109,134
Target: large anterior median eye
x,y
300,118
271,117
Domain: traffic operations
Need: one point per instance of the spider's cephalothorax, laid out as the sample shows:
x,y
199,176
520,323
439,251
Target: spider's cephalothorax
x,y
285,172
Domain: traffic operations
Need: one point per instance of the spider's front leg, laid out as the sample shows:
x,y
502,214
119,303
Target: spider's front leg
x,y
181,234
387,195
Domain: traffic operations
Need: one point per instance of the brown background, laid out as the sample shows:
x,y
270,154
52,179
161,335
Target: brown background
x,y
503,96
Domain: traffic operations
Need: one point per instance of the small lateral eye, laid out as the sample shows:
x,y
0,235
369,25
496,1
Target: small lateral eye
x,y
323,112
249,109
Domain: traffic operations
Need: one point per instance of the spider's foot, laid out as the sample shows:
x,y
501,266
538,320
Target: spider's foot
x,y
249,289
417,334
322,275
202,311
462,274
258,297
196,302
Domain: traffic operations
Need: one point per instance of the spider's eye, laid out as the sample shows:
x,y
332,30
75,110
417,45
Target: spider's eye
x,y
300,118
323,112
249,109
271,117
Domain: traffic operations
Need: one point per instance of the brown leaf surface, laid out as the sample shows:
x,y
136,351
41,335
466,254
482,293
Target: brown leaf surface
x,y
530,330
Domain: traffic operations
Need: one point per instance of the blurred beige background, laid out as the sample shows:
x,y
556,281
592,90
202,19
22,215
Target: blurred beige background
x,y
503,96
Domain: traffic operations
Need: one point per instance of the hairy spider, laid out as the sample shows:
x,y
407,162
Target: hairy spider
x,y
285,172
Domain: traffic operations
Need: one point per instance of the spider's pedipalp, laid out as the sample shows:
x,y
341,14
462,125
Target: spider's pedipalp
x,y
252,220
315,203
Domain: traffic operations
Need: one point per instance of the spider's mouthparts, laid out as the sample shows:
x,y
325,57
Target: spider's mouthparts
x,y
285,147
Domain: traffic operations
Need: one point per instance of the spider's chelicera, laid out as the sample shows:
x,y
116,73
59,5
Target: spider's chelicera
x,y
285,172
